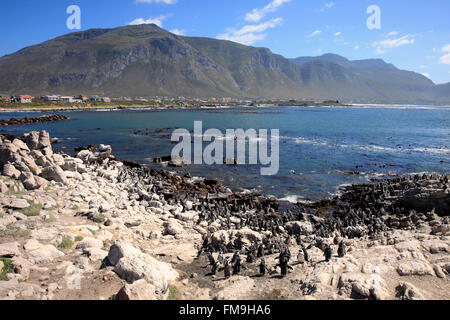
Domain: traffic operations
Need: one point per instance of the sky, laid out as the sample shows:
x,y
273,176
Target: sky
x,y
411,34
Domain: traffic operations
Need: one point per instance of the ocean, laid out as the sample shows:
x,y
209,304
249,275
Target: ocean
x,y
321,148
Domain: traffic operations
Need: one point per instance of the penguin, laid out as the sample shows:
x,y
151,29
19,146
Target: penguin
x,y
237,266
301,257
328,253
263,268
220,257
342,249
227,268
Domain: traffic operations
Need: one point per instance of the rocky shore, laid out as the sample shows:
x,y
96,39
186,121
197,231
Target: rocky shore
x,y
95,227
26,120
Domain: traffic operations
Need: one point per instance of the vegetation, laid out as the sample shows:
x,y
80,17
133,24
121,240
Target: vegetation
x,y
50,220
172,293
7,268
66,243
78,238
12,231
33,210
100,218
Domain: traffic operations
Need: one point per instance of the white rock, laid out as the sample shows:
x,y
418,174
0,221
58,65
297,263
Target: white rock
x,y
87,243
131,265
139,290
415,268
9,250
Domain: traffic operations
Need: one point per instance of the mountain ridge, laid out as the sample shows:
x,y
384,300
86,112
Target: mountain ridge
x,y
146,60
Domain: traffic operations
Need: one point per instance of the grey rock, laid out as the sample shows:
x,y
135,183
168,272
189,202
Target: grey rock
x,y
54,173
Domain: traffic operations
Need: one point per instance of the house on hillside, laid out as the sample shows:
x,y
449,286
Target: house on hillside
x,y
22,99
68,99
5,99
52,98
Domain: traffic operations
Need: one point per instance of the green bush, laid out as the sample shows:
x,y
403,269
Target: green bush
x,y
66,243
7,268
33,210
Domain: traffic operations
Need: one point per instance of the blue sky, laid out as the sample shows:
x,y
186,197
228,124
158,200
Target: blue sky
x,y
414,34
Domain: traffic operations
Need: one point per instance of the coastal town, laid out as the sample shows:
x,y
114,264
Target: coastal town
x,y
81,101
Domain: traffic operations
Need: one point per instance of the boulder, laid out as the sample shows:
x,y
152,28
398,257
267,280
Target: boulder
x,y
54,173
32,140
31,182
10,171
406,291
131,264
21,267
139,290
31,165
173,227
415,268
188,216
9,250
44,140
3,187
95,254
250,235
18,204
20,145
40,253
88,243
43,161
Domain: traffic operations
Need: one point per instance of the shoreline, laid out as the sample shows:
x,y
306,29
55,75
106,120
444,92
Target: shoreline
x,y
135,233
168,107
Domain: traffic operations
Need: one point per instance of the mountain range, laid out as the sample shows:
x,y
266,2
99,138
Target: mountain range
x,y
146,61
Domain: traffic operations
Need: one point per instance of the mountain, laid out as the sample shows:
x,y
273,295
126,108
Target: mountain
x,y
146,60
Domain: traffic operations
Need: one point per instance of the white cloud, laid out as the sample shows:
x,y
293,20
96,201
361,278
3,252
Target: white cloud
x,y
425,74
315,33
178,32
393,33
157,1
158,21
250,33
382,46
338,33
445,59
257,14
423,66
356,47
329,5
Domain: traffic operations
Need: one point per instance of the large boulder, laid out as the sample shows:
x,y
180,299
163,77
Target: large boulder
x,y
131,264
54,173
9,250
19,204
40,253
3,187
32,140
248,234
20,145
88,243
44,140
139,290
7,153
415,268
406,291
173,227
10,171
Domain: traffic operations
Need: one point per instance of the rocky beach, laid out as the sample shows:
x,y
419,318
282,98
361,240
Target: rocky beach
x,y
94,227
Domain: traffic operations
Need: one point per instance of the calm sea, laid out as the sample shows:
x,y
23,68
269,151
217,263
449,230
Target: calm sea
x,y
316,144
